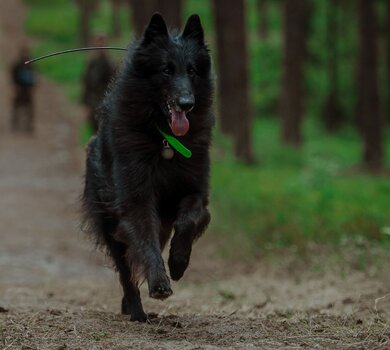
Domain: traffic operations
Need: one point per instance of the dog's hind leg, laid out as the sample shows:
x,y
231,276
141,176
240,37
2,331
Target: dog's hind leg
x,y
192,220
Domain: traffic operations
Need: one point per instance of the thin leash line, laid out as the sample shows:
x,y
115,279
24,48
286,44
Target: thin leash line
x,y
76,50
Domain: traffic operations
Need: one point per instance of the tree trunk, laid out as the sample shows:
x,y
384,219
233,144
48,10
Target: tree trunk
x,y
85,32
388,59
369,121
262,15
233,88
333,115
296,15
172,11
116,18
140,14
86,8
143,10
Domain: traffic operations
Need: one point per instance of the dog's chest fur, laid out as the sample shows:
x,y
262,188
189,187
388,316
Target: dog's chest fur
x,y
178,177
137,170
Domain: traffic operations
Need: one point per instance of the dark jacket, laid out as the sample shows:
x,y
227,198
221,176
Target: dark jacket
x,y
23,77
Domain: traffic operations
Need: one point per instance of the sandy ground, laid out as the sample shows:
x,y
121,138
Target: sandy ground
x,y
56,292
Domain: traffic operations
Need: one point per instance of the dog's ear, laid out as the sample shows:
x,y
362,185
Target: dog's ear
x,y
194,29
156,28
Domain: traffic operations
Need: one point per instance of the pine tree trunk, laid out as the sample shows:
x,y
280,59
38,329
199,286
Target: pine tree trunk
x,y
262,15
333,115
115,18
86,8
143,10
141,13
368,115
388,59
233,88
172,11
296,15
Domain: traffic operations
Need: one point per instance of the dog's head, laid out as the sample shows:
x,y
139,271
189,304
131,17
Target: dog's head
x,y
175,70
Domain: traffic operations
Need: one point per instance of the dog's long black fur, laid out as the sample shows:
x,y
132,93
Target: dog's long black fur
x,y
133,197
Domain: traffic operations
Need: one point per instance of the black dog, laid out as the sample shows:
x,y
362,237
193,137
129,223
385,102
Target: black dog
x,y
137,188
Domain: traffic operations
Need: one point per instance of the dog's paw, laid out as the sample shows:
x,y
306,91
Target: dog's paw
x,y
139,317
160,290
135,314
177,265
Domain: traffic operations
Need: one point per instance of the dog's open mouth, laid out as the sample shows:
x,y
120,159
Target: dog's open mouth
x,y
178,120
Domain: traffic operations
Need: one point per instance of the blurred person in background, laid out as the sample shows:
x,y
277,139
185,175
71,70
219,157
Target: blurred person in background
x,y
98,74
24,81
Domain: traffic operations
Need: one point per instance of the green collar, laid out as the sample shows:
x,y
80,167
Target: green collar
x,y
176,144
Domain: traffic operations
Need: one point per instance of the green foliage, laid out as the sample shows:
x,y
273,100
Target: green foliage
x,y
57,22
293,197
317,72
265,59
97,336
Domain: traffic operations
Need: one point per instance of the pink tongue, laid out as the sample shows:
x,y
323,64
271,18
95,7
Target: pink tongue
x,y
179,124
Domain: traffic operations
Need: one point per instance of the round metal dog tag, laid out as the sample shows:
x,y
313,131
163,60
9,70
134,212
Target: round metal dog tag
x,y
167,152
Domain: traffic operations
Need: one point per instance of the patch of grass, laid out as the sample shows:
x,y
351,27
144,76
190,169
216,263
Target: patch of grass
x,y
85,133
98,335
226,295
292,197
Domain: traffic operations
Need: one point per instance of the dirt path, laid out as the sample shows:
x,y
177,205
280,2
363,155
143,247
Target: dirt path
x,y
57,293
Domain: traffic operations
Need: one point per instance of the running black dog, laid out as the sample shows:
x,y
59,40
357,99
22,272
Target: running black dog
x,y
142,181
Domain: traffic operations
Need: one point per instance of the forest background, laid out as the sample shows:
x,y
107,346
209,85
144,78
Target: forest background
x,y
302,144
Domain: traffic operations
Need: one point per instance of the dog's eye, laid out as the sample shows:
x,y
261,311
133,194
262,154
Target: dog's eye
x,y
191,71
168,71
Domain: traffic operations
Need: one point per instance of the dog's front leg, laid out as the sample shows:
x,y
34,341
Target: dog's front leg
x,y
192,219
139,230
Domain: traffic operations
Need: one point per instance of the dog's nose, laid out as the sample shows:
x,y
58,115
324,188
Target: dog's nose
x,y
186,103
